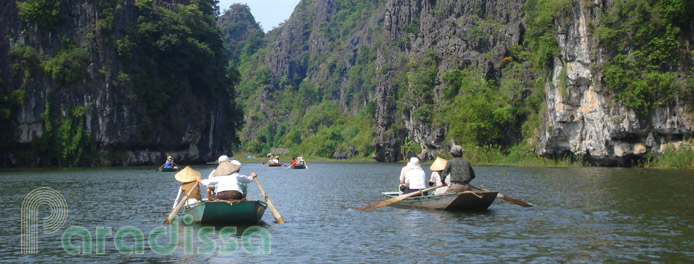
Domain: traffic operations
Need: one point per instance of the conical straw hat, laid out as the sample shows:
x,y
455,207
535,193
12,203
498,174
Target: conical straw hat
x,y
226,168
439,164
187,175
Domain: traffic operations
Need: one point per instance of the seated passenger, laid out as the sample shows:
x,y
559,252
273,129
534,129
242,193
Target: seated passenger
x,y
229,187
188,178
169,164
436,176
217,172
415,179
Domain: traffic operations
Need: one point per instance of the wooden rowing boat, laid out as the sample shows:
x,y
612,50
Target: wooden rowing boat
x,y
274,164
220,212
299,165
462,201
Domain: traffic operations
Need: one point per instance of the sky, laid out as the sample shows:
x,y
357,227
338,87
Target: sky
x,y
270,13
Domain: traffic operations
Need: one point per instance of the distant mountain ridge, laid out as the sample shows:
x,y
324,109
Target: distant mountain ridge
x,y
377,78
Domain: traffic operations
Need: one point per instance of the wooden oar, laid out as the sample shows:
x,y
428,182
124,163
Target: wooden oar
x,y
275,213
509,199
178,207
379,204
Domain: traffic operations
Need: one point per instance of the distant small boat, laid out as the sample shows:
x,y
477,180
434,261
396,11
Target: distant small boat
x,y
275,164
300,164
220,212
175,168
462,201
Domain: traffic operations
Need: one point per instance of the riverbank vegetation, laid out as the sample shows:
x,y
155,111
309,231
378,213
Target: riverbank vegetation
x,y
681,157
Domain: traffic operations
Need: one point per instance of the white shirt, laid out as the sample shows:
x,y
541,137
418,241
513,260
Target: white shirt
x,y
404,171
416,178
231,182
436,179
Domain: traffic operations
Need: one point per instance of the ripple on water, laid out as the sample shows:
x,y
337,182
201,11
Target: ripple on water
x,y
580,215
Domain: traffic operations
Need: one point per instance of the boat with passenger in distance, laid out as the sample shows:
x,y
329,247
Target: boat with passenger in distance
x,y
175,168
225,212
300,163
461,201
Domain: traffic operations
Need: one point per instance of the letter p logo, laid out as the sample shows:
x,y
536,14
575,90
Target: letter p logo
x,y
30,214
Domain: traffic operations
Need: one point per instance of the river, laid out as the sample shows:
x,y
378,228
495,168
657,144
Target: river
x,y
579,215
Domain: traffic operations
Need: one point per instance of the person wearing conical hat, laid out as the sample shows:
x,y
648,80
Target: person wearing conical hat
x,y
459,170
188,178
435,179
228,181
220,170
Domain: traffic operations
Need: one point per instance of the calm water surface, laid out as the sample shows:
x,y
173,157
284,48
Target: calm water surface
x,y
580,215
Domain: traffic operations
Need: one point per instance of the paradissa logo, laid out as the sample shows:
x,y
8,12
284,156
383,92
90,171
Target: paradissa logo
x,y
97,243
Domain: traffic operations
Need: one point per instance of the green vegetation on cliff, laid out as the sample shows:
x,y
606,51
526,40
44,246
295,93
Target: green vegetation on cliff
x,y
171,50
643,35
45,13
69,65
160,65
322,65
324,117
9,100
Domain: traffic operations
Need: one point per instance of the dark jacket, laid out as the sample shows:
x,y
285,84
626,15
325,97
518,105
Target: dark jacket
x,y
460,170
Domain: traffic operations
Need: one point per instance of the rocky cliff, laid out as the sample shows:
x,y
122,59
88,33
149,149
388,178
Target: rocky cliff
x,y
563,77
473,35
114,83
584,119
240,32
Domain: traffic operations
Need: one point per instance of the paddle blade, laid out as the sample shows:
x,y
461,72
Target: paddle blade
x,y
274,211
376,205
379,204
513,200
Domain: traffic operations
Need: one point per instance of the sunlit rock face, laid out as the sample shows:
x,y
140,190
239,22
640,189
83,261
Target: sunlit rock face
x,y
581,119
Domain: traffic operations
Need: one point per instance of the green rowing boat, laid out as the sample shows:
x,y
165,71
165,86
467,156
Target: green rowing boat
x,y
220,212
175,168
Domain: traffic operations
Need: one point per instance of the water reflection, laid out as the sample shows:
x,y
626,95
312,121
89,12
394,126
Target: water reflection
x,y
580,215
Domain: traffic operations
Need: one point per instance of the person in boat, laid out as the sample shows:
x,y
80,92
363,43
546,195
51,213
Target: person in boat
x,y
435,179
169,164
293,161
407,168
415,178
274,161
229,182
187,177
459,170
210,189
